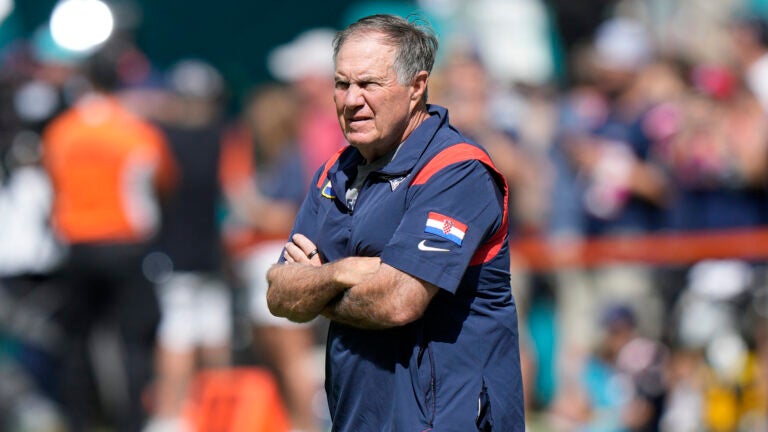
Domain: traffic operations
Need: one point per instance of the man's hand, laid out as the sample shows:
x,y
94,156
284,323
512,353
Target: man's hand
x,y
301,250
374,295
300,288
348,271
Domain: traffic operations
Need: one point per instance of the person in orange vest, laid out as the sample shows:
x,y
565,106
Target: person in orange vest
x,y
108,168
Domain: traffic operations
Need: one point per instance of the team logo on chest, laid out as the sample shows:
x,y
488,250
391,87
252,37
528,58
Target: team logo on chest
x,y
395,182
445,227
327,191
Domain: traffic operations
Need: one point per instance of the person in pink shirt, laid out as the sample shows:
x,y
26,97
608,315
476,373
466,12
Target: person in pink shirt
x,y
306,65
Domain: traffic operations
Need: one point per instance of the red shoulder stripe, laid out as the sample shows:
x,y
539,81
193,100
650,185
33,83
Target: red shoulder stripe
x,y
463,152
328,166
451,155
488,250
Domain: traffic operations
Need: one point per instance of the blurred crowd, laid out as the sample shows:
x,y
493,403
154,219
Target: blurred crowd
x,y
139,212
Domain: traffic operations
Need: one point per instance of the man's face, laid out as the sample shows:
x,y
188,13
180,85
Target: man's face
x,y
372,107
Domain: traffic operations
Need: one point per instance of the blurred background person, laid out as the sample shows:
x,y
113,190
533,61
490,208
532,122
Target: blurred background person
x,y
29,252
464,86
620,386
749,36
623,192
265,185
608,183
187,259
306,64
108,168
716,377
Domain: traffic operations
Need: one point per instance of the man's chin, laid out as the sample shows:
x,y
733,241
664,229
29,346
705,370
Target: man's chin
x,y
355,140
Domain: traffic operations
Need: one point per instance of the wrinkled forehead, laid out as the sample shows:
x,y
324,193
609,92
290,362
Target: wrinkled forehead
x,y
375,38
365,52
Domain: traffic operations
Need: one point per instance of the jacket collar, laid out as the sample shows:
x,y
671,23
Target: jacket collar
x,y
409,152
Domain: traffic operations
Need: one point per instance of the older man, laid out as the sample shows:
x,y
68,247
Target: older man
x,y
401,243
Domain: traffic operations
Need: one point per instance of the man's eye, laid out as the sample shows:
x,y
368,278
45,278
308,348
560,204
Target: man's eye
x,y
341,85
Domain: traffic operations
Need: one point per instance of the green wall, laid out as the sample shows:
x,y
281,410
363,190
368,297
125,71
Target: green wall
x,y
235,35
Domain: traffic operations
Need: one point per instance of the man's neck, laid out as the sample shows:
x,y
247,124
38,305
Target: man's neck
x,y
418,116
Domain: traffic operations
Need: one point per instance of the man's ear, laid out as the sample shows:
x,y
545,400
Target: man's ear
x,y
419,86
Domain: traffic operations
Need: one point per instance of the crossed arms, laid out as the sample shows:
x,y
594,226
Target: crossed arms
x,y
358,291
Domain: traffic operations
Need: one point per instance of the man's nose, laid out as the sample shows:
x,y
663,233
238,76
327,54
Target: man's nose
x,y
353,97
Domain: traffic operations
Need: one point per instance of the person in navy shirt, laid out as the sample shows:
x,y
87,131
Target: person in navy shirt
x,y
402,243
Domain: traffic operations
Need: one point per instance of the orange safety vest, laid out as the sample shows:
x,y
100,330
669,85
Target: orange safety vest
x,y
106,165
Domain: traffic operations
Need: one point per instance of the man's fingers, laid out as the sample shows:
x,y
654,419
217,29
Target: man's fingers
x,y
287,256
294,254
303,243
302,250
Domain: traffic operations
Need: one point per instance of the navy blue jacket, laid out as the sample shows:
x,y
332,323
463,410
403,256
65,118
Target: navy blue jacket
x,y
437,211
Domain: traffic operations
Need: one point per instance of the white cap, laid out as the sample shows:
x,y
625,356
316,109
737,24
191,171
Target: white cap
x,y
622,43
309,54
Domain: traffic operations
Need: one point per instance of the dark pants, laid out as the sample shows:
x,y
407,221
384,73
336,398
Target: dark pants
x,y
105,285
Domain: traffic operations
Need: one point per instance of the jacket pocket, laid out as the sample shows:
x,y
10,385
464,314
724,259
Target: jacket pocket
x,y
424,383
484,419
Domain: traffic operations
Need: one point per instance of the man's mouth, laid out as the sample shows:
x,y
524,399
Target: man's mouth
x,y
357,121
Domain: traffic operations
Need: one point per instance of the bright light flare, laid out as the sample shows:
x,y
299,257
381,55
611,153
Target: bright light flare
x,y
6,7
81,25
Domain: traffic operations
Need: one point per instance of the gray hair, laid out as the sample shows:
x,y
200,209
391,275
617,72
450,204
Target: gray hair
x,y
415,42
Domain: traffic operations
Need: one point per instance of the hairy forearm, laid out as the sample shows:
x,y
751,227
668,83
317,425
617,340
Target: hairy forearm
x,y
299,292
357,310
388,299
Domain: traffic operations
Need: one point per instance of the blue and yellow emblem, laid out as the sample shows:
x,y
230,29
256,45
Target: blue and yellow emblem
x,y
327,191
